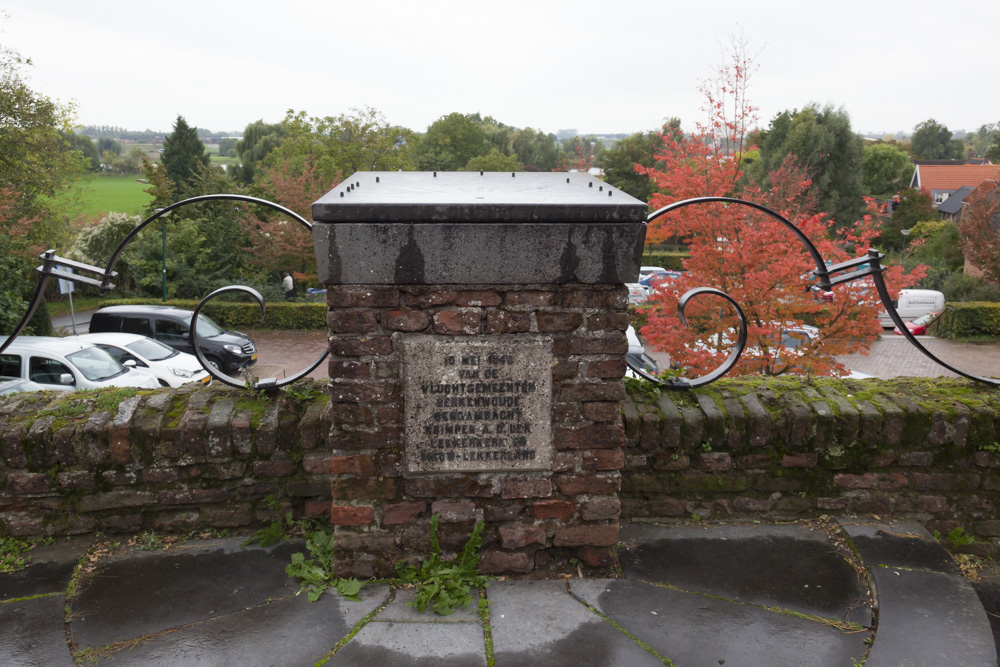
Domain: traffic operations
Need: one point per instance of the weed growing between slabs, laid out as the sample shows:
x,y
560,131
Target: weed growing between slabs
x,y
444,586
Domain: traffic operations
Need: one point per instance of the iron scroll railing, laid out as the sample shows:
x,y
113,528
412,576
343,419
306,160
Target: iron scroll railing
x,y
868,265
55,266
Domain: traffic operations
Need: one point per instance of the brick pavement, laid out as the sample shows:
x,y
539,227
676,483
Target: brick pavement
x,y
893,356
284,353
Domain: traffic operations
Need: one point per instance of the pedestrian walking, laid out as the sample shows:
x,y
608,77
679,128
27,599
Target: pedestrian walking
x,y
288,286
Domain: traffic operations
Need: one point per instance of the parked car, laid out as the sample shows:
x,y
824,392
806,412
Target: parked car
x,y
66,364
637,354
12,385
644,272
656,277
170,367
229,351
920,325
912,303
636,294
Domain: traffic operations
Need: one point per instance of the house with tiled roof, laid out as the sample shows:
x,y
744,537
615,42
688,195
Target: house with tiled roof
x,y
940,181
952,207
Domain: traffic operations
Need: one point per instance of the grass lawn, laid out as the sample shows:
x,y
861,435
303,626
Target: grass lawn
x,y
96,196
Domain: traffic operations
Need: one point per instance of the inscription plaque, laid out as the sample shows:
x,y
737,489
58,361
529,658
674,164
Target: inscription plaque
x,y
482,405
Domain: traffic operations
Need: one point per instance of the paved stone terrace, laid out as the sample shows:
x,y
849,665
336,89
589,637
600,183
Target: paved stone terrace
x,y
694,595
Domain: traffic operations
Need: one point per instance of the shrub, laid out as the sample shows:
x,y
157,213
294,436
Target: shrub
x,y
246,315
971,319
665,258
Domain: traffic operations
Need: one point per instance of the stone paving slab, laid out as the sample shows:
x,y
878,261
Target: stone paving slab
x,y
927,618
790,566
50,570
146,592
538,623
697,631
388,643
904,543
34,633
288,632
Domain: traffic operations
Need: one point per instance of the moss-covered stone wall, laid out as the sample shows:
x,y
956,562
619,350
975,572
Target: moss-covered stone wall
x,y
787,448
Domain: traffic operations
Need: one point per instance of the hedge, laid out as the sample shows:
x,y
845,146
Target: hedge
x,y
283,316
665,258
966,319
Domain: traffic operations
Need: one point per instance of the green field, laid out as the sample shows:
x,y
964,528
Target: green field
x,y
96,196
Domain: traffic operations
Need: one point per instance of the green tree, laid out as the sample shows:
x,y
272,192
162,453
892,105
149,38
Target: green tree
x,y
822,141
494,161
337,146
986,136
932,140
536,149
450,142
885,169
620,160
83,144
259,139
912,208
183,151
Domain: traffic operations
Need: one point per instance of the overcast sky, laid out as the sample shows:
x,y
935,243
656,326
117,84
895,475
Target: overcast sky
x,y
600,67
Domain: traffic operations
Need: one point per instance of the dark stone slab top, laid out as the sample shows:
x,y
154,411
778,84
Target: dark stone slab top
x,y
469,196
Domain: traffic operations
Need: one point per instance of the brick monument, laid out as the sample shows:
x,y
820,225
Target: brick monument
x,y
477,337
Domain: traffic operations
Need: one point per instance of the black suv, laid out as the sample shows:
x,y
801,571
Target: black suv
x,y
228,351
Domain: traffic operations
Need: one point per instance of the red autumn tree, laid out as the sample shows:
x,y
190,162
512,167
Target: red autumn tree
x,y
751,256
279,242
980,230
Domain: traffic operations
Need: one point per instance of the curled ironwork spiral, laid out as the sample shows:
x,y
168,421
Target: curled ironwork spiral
x,y
77,272
828,276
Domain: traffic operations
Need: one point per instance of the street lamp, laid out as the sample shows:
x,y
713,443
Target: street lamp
x,y
163,232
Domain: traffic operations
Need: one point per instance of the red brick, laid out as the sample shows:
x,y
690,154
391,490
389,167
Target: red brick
x,y
933,504
349,515
610,343
277,468
501,321
503,512
553,509
558,322
566,413
368,439
916,459
587,298
597,556
354,297
351,465
352,321
364,488
400,513
532,299
525,488
316,507
499,562
663,506
885,459
406,320
606,435
360,346
458,322
564,369
85,480
831,504
671,462
986,459
229,518
518,535
159,475
578,536
564,461
454,511
461,487
800,460
432,298
714,462
610,369
19,483
598,484
753,461
192,496
364,392
480,298
608,322
592,391
604,459
600,508
348,369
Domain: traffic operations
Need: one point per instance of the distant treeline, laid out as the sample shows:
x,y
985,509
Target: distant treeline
x,y
144,136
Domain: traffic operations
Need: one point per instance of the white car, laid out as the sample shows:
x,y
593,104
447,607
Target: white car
x,y
637,294
637,354
170,367
646,271
66,364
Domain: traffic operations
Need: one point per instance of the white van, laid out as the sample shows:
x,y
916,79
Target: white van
x,y
66,364
913,303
